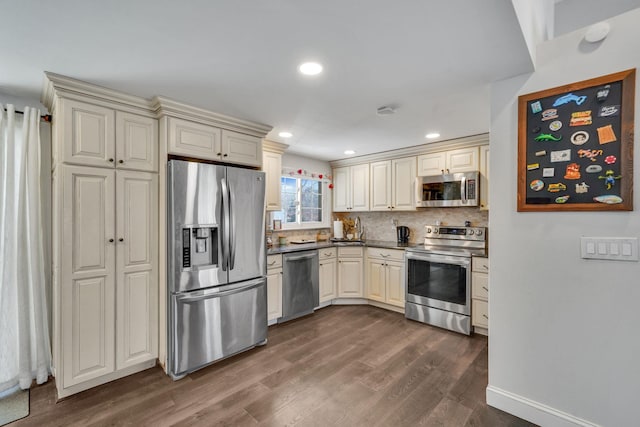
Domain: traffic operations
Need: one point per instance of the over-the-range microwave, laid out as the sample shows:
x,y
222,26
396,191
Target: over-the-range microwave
x,y
447,190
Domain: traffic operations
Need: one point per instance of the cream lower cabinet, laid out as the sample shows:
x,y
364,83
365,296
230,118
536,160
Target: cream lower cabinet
x,y
274,288
350,272
385,276
328,270
106,274
480,294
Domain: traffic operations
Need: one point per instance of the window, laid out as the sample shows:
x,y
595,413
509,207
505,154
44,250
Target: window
x,y
303,203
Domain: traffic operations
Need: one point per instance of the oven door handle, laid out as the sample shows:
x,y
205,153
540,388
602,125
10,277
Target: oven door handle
x,y
442,259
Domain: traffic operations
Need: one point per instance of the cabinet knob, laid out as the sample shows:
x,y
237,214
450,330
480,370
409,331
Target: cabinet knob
x,y
442,170
225,155
388,207
485,316
448,171
219,154
110,240
485,288
121,161
110,160
121,240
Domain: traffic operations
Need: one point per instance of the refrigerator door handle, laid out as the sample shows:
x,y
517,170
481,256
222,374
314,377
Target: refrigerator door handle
x,y
204,295
232,230
225,224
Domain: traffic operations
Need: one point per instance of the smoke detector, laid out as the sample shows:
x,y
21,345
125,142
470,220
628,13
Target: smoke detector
x,y
386,110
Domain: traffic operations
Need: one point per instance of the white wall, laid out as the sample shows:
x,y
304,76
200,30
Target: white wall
x,y
300,162
563,330
536,21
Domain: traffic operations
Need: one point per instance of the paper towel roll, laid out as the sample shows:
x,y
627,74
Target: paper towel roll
x,y
338,230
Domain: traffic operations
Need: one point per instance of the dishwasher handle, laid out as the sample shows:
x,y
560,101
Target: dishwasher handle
x,y
301,257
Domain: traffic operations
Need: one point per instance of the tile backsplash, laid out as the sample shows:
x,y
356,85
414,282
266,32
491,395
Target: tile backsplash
x,y
379,226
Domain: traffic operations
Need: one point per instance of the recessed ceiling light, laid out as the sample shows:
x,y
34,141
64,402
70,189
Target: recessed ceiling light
x,y
349,152
432,135
310,68
285,134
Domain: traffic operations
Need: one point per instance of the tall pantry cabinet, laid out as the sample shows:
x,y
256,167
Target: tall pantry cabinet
x,y
105,228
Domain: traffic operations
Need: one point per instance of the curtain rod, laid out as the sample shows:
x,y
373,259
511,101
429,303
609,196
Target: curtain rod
x,y
45,117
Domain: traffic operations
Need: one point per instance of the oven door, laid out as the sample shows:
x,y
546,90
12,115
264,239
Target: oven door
x,y
439,281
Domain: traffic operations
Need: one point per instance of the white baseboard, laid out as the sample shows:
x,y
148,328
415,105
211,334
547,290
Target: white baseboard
x,y
532,411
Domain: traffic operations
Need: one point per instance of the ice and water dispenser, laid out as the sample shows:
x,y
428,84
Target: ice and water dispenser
x,y
199,247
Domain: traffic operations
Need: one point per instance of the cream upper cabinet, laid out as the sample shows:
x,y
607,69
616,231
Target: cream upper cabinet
x,y
87,134
136,267
484,177
136,142
351,188
380,173
193,139
392,185
453,161
87,283
274,288
272,167
241,149
350,272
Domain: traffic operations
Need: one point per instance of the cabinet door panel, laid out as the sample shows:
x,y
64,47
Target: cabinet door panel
x,y
376,280
380,174
137,254
328,272
432,164
241,149
88,282
404,181
360,187
272,166
462,160
194,139
88,134
350,280
342,189
395,283
274,294
136,142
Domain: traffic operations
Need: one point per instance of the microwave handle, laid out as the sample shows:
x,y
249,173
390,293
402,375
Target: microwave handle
x,y
463,193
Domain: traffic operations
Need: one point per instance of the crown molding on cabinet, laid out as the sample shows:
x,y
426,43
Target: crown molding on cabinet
x,y
273,146
433,147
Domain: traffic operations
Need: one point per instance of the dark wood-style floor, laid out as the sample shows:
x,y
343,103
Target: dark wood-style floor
x,y
345,365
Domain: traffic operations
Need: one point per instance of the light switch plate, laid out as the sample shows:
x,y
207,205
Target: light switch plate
x,y
609,248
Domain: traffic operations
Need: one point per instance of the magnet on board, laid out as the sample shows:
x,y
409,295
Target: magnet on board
x,y
603,93
580,137
535,129
609,199
533,166
582,188
580,118
557,187
555,125
606,134
572,171
536,107
570,97
536,185
593,169
547,137
609,111
541,153
590,154
609,160
609,178
560,156
549,114
548,172
562,199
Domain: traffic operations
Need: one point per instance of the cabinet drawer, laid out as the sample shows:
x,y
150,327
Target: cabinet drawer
x,y
480,264
480,285
480,313
327,253
274,261
350,251
386,254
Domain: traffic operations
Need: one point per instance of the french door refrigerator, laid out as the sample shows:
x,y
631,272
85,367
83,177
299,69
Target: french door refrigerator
x,y
217,298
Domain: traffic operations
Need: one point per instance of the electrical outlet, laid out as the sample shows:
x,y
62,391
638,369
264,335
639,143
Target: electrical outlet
x,y
394,222
609,248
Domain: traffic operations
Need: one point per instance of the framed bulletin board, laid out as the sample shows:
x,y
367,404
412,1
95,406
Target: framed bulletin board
x,y
575,146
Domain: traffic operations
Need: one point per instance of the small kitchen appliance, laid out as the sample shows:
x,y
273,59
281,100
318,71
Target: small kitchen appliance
x,y
438,276
403,234
447,190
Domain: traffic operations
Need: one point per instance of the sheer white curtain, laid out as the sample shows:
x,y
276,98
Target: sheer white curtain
x,y
25,351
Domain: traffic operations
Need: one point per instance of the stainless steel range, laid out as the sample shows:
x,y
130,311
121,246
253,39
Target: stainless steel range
x,y
438,276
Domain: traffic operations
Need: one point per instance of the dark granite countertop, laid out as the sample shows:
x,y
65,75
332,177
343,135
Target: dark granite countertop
x,y
319,245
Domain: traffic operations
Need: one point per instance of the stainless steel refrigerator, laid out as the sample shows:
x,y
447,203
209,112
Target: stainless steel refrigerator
x,y
217,297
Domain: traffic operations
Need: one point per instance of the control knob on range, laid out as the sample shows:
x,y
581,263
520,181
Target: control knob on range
x,y
479,232
471,232
435,231
428,229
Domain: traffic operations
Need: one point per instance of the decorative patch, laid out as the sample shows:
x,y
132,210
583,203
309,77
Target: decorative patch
x,y
562,199
609,199
536,107
548,172
565,99
606,134
593,169
573,171
541,153
580,118
533,166
603,93
536,185
590,154
547,137
557,187
582,188
609,111
609,178
580,137
560,156
549,114
610,160
555,125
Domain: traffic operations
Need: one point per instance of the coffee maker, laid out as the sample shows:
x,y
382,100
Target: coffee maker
x,y
403,234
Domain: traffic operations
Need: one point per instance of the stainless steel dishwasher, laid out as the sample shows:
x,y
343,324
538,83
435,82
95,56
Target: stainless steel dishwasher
x,y
300,283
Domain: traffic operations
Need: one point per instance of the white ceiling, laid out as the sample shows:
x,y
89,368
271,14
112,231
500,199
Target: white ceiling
x,y
432,60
